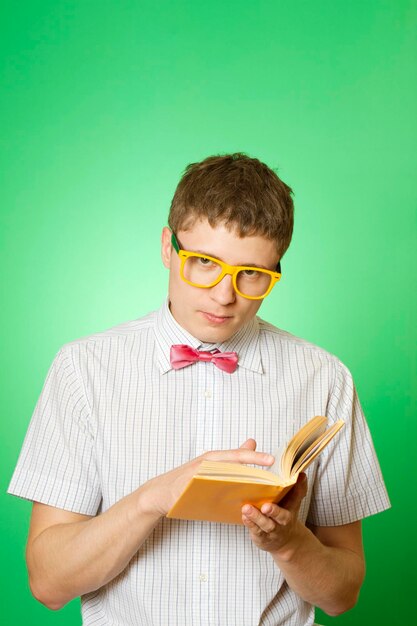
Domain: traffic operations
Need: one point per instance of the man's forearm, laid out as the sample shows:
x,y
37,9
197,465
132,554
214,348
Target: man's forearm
x,y
68,560
327,577
71,559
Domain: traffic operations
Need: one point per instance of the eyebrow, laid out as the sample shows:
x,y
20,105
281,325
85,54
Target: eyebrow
x,y
261,267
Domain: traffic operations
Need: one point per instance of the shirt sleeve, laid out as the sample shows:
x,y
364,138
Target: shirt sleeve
x,y
57,464
348,485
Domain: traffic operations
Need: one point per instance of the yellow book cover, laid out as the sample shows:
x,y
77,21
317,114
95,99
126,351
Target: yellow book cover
x,y
218,490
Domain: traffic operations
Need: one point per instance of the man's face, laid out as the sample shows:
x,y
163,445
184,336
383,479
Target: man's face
x,y
214,314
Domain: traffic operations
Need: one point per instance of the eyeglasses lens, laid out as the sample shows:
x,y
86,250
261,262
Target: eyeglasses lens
x,y
204,272
201,271
253,282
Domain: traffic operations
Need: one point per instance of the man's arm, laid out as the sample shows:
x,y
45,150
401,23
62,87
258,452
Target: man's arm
x,y
323,565
70,554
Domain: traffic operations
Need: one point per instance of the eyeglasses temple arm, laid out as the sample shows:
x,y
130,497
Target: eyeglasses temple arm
x,y
175,243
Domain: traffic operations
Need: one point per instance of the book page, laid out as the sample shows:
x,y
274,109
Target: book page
x,y
303,461
300,442
238,472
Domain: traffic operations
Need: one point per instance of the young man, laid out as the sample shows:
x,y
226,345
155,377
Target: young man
x,y
126,416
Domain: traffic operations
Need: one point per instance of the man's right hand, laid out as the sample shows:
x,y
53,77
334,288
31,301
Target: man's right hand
x,y
70,554
159,494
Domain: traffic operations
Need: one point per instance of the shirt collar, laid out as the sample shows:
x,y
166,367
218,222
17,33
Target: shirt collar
x,y
168,332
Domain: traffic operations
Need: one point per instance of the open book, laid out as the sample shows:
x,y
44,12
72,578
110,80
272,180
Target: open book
x,y
218,490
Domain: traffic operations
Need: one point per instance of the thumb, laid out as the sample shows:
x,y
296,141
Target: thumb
x,y
250,444
292,500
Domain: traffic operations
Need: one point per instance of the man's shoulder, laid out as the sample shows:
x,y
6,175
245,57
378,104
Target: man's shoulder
x,y
124,330
294,344
301,355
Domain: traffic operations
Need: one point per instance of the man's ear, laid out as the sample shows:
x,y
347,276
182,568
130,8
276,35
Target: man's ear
x,y
166,246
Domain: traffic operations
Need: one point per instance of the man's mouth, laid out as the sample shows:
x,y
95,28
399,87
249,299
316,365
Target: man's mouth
x,y
215,319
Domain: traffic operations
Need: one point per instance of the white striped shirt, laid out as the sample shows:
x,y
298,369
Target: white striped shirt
x,y
113,414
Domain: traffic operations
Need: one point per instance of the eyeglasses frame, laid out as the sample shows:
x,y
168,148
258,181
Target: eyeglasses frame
x,y
227,269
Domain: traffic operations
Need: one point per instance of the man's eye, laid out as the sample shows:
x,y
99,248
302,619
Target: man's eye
x,y
204,261
250,273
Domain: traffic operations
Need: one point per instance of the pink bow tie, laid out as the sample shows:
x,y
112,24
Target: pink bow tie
x,y
182,355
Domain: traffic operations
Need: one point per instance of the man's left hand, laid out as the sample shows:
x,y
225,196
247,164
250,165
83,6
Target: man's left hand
x,y
272,527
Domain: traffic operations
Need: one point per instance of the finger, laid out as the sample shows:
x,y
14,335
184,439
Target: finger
x,y
251,525
276,513
241,455
265,524
250,444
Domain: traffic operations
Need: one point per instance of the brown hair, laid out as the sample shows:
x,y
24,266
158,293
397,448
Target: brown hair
x,y
238,191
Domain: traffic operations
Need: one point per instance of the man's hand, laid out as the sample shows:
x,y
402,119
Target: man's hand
x,y
274,528
71,554
162,492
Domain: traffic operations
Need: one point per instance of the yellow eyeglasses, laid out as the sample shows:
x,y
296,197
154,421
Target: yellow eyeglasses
x,y
200,270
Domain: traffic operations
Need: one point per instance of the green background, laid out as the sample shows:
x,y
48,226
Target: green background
x,y
102,106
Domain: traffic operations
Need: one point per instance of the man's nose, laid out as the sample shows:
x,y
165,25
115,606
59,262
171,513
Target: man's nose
x,y
224,292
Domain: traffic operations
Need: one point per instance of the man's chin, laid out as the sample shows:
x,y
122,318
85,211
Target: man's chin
x,y
215,335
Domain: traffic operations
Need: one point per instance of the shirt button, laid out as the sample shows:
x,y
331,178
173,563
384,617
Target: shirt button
x,y
207,393
203,578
